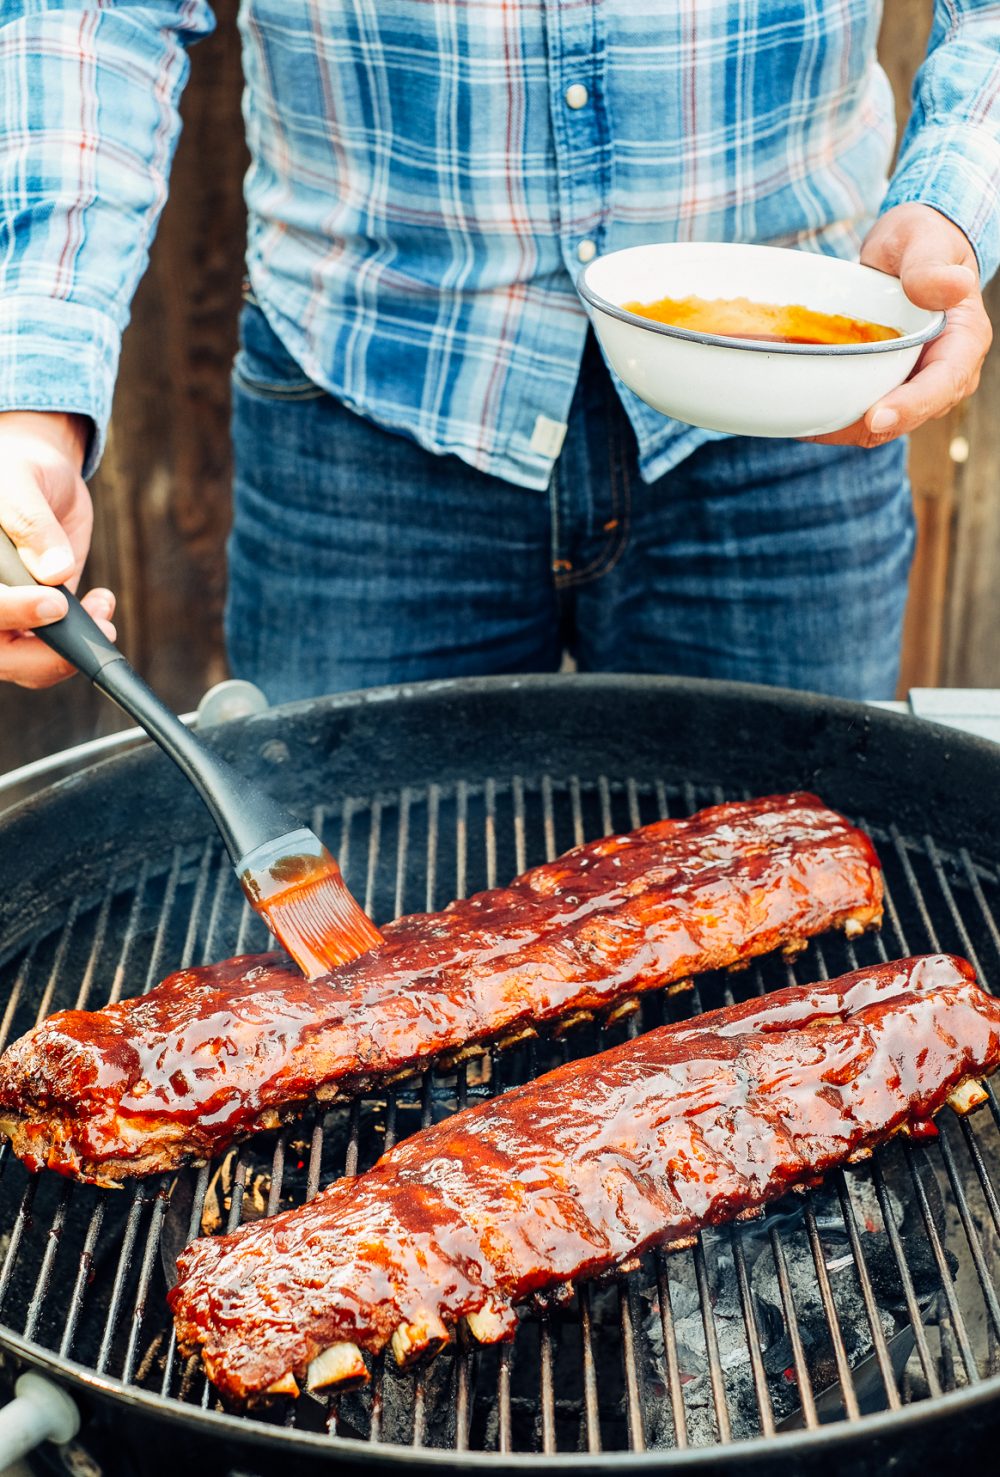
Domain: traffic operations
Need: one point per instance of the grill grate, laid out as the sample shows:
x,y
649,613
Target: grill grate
x,y
872,1292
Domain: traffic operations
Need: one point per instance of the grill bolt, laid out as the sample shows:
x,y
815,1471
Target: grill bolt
x,y
335,1366
413,1341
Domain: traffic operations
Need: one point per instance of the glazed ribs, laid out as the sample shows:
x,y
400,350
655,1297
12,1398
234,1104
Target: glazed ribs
x,y
215,1053
577,1173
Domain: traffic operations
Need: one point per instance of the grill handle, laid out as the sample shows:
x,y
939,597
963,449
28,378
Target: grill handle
x,y
246,816
40,1411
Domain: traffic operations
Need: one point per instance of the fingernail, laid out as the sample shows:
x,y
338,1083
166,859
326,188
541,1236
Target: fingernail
x,y
54,562
50,608
883,420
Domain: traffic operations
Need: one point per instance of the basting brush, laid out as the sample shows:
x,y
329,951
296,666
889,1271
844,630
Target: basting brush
x,y
287,874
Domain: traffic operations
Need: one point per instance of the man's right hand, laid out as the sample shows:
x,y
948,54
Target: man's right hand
x,y
45,508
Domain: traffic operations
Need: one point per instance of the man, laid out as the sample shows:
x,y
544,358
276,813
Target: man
x,y
435,473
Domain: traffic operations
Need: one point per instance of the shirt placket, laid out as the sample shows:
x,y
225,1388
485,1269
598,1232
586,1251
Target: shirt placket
x,y
577,58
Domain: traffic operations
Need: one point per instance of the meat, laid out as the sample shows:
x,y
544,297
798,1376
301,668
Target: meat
x,y
215,1053
576,1173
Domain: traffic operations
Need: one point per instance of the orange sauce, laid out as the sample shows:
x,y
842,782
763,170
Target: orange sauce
x,y
738,317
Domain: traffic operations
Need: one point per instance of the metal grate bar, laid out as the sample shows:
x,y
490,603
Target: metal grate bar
x,y
982,1173
633,1394
906,1281
193,1227
715,1375
957,1321
761,1391
961,1334
591,1415
45,1004
830,1313
52,1239
21,1221
139,1203
971,1234
546,1396
505,1434
96,947
802,1379
132,931
149,1259
84,1271
670,1353
879,1344
14,999
986,912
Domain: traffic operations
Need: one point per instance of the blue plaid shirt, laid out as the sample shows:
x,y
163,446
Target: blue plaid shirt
x,y
426,179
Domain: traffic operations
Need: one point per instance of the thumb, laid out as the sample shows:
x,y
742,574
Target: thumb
x,y
36,533
933,267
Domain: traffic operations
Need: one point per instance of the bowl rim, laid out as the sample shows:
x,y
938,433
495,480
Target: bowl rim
x,y
594,300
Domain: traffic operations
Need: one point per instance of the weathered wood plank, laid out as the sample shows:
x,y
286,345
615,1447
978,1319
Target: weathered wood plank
x,y
162,494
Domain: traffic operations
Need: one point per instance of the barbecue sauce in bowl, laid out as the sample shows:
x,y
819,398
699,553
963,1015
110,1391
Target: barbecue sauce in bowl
x,y
738,317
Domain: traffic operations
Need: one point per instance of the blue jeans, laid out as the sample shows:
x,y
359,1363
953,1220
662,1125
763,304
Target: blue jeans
x,y
358,558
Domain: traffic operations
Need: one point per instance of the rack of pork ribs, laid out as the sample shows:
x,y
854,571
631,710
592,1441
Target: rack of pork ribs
x,y
216,1053
577,1173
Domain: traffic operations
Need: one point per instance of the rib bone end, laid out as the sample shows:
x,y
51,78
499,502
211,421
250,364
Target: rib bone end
x,y
514,1038
419,1340
285,1386
340,1364
966,1096
853,927
679,987
492,1323
625,1007
794,947
575,1018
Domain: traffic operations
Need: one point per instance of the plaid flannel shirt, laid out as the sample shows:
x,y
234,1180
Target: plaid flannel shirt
x,y
428,175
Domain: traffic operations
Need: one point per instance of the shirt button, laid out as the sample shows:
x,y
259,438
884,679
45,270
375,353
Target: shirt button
x,y
587,250
577,96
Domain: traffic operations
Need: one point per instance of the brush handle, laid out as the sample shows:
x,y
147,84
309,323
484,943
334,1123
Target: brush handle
x,y
246,817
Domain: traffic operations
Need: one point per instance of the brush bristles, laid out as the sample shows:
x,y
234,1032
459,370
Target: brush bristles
x,y
320,924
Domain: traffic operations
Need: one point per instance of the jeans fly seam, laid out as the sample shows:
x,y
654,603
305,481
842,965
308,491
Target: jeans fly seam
x,y
621,510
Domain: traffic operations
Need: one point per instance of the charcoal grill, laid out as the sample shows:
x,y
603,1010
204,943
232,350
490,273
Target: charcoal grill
x,y
857,1329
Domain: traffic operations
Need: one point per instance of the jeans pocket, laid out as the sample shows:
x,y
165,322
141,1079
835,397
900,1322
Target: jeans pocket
x,y
264,367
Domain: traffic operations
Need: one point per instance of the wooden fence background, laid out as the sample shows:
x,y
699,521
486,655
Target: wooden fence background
x,y
162,494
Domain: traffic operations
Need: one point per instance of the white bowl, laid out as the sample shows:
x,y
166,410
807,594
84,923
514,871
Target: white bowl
x,y
743,386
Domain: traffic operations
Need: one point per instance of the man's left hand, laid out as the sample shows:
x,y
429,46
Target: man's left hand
x,y
938,269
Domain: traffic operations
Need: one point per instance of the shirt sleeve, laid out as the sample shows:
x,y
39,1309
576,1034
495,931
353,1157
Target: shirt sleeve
x,y
950,152
89,121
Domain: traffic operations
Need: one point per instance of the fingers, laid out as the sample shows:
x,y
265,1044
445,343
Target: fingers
x,y
948,372
932,283
932,257
24,658
28,518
